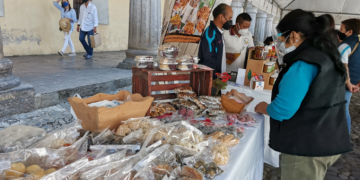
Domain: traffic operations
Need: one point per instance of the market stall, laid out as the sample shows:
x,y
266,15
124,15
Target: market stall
x,y
271,157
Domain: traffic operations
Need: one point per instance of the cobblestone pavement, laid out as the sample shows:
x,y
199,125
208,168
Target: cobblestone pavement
x,y
348,166
50,118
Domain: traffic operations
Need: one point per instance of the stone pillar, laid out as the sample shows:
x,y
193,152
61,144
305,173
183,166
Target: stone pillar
x,y
252,11
14,98
260,27
268,26
275,22
144,30
237,8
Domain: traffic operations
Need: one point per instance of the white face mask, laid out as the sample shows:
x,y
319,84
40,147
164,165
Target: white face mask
x,y
242,31
290,49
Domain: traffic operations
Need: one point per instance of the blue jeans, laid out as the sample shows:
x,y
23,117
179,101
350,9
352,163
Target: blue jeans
x,y
348,95
87,46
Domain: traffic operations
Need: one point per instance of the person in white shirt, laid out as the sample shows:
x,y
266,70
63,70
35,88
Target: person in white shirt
x,y
237,40
87,25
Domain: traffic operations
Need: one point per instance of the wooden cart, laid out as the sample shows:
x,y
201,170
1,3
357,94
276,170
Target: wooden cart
x,y
145,81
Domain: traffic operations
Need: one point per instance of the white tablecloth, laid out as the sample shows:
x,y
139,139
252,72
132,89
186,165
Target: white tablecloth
x,y
246,160
271,157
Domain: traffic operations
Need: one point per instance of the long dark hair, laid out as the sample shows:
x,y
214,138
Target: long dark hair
x,y
67,2
331,21
315,29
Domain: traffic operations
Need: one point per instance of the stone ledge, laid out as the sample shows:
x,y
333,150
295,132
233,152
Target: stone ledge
x,y
53,98
17,100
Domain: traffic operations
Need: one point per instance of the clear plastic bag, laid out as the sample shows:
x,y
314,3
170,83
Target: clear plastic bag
x,y
179,133
99,151
185,172
38,162
184,89
186,96
245,119
18,137
161,109
134,124
111,170
57,139
68,172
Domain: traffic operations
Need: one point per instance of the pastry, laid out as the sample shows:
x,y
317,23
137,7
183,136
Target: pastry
x,y
49,171
32,169
220,154
123,130
183,67
17,170
164,66
190,173
37,175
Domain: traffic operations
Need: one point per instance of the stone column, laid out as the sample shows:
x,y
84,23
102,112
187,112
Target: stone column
x,y
268,26
144,30
14,97
275,22
237,8
252,11
260,27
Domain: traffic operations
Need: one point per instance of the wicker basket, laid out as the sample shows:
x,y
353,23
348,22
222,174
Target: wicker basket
x,y
231,106
98,118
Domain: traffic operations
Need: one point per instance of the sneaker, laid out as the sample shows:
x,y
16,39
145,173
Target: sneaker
x,y
85,55
72,54
61,53
88,57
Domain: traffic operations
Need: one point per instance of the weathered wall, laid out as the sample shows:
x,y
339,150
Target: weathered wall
x,y
32,28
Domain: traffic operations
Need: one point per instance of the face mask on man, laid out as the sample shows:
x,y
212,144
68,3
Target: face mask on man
x,y
241,31
341,35
227,25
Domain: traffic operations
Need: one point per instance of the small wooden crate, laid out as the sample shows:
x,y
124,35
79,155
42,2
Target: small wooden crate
x,y
200,81
257,66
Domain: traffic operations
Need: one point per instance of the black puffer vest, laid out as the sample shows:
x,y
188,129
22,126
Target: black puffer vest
x,y
319,127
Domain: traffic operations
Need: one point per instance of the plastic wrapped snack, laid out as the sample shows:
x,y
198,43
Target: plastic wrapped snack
x,y
199,103
134,124
160,109
212,98
246,119
179,133
36,163
169,51
184,89
185,173
69,172
99,151
226,140
186,96
60,138
20,137
111,170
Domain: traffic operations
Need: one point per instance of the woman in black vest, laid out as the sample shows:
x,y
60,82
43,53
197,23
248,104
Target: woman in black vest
x,y
308,122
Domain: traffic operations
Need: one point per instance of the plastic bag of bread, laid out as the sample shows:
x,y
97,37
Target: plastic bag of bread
x,y
159,167
184,89
109,170
69,172
18,137
161,109
36,163
99,151
185,172
134,124
186,96
179,133
61,137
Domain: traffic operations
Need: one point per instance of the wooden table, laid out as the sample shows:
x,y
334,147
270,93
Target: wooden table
x,y
200,81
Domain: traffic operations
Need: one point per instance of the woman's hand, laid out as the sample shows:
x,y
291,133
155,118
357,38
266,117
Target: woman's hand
x,y
261,108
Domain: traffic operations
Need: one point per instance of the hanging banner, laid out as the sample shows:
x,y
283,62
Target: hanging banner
x,y
188,20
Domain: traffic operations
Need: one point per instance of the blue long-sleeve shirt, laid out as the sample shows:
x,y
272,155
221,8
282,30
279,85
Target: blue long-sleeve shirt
x,y
67,14
292,90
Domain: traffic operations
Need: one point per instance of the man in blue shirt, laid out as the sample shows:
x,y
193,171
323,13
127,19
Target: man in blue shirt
x,y
212,48
87,25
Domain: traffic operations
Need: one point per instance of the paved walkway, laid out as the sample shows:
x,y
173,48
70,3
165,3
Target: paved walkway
x,y
49,73
348,166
